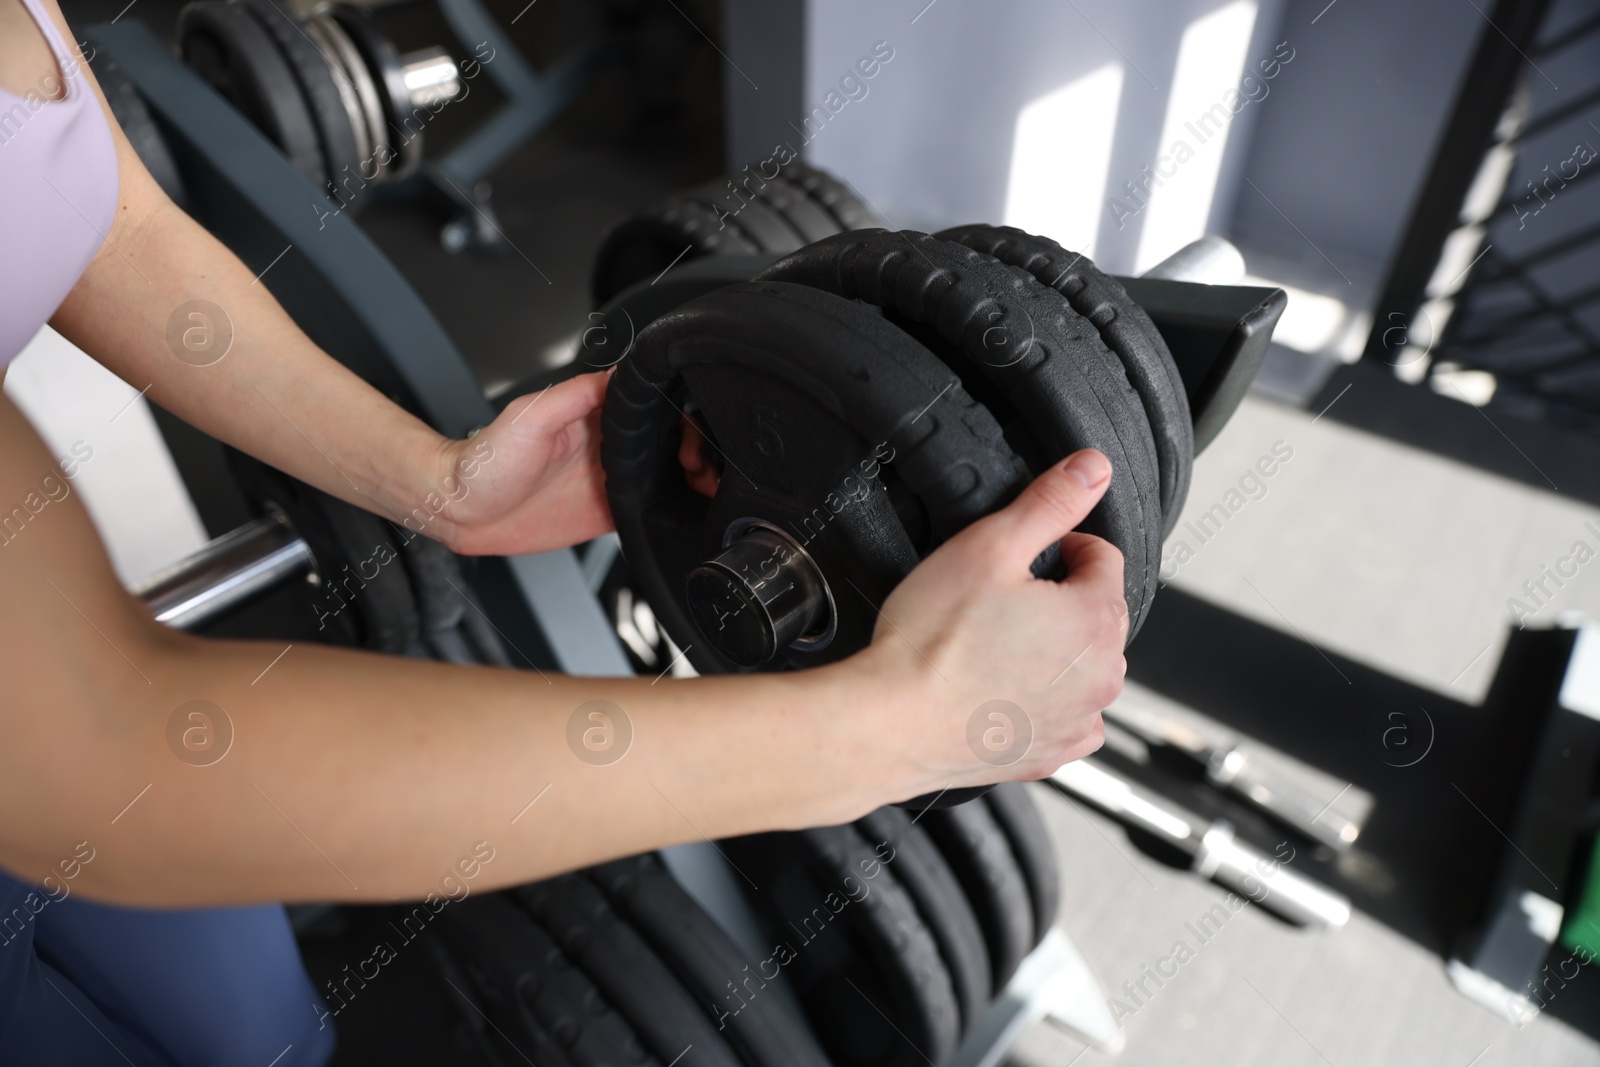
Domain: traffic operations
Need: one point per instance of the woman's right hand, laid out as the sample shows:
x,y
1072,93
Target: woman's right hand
x,y
983,672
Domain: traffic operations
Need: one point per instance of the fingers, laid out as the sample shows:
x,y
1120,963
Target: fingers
x,y
697,470
1048,509
1092,562
558,405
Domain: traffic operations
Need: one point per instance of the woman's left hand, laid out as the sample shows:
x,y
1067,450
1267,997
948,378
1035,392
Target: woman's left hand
x,y
531,480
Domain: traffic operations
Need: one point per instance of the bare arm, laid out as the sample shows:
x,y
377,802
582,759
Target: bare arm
x,y
358,777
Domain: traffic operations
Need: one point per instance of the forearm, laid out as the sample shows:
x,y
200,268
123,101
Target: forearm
x,y
273,394
357,777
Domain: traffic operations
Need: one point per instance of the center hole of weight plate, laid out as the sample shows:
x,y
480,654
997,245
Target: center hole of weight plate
x,y
764,593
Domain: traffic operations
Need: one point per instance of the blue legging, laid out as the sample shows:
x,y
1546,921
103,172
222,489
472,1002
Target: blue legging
x,y
89,984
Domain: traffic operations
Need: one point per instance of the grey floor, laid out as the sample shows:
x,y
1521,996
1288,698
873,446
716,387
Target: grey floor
x,y
1261,993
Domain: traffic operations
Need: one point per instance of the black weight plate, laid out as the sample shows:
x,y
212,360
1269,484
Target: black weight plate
x,y
1015,342
232,53
801,390
627,971
435,582
1126,330
761,225
474,994
800,204
452,624
846,208
763,1029
481,634
922,869
365,594
665,233
532,990
977,851
1018,817
315,73
862,960
811,222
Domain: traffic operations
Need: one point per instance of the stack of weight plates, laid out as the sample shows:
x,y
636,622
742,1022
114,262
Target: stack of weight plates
x,y
894,933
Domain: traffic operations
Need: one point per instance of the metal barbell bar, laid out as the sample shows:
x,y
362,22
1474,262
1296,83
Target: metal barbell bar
x,y
227,573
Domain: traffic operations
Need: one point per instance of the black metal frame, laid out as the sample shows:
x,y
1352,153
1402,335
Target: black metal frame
x,y
1504,319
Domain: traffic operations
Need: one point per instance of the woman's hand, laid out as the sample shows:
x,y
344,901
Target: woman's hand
x,y
530,481
985,673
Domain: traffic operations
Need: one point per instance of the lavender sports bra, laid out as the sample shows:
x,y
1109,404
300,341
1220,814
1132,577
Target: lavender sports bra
x,y
58,192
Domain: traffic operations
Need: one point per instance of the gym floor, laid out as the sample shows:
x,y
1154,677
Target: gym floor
x,y
1372,569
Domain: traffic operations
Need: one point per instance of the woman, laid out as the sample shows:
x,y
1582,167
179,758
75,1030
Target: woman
x,y
139,919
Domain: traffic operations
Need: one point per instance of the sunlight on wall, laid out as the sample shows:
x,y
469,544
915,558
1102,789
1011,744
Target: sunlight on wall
x,y
1200,110
1060,157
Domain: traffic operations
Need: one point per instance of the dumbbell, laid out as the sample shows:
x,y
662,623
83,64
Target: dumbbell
x,y
329,89
869,396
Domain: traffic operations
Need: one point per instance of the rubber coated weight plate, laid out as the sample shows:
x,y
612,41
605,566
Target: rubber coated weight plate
x,y
1126,330
627,971
435,581
231,52
922,869
1014,810
532,990
808,218
977,851
315,74
761,225
482,635
665,233
858,954
1017,342
833,196
451,621
760,1026
816,404
473,992
798,205
364,597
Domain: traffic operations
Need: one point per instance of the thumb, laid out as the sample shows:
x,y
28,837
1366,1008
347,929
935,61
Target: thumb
x,y
1050,507
557,405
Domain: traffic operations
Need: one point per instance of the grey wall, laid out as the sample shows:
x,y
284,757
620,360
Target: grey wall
x,y
1344,145
1339,144
931,142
